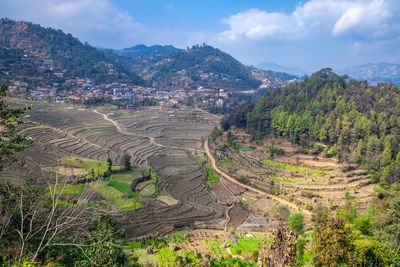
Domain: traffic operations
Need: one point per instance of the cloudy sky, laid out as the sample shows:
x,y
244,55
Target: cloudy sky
x,y
307,34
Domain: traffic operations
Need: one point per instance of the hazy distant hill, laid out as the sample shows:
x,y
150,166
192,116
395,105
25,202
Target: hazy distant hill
x,y
30,51
34,54
278,68
143,50
198,66
374,73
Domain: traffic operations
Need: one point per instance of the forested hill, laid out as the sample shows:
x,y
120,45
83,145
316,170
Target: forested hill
x,y
143,50
200,65
46,50
357,122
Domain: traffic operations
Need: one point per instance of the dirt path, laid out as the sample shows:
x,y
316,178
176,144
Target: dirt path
x,y
232,179
122,131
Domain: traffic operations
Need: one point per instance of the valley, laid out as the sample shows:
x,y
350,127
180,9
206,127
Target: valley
x,y
170,146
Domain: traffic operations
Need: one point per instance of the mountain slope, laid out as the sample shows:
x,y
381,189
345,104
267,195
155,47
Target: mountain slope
x,y
357,122
200,66
54,51
374,73
278,68
143,50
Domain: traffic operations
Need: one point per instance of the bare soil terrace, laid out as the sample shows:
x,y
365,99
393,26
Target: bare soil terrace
x,y
300,178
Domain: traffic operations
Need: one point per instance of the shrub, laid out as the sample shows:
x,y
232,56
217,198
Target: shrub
x,y
307,194
254,255
296,222
243,179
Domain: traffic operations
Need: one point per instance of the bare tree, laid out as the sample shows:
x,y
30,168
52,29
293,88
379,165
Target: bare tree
x,y
43,213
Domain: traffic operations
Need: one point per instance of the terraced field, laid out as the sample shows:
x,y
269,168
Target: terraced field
x,y
153,138
303,179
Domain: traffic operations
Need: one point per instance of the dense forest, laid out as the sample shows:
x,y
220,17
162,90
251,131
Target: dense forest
x,y
358,122
46,48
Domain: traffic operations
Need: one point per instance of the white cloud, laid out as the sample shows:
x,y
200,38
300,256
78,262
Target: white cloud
x,y
365,18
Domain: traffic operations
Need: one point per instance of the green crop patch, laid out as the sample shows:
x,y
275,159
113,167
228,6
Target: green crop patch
x,y
215,246
90,165
123,188
293,168
248,243
212,177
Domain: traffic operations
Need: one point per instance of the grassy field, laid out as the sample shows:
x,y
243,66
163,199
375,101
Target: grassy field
x,y
248,244
212,177
116,197
98,167
216,248
293,168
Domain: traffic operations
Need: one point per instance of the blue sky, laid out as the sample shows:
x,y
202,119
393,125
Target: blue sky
x,y
308,34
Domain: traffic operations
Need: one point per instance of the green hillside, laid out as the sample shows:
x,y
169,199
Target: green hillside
x,y
44,50
358,122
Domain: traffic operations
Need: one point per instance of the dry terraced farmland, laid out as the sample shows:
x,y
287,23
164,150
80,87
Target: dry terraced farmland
x,y
153,138
299,177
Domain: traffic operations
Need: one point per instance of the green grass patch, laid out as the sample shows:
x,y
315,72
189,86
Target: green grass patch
x,y
69,189
126,177
147,188
243,179
212,177
248,244
229,165
293,168
167,257
123,188
190,118
235,262
144,259
215,246
116,197
189,170
65,203
155,242
109,107
81,189
199,157
98,167
245,149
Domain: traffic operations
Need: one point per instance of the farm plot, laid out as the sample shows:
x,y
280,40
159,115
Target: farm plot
x,y
305,179
153,139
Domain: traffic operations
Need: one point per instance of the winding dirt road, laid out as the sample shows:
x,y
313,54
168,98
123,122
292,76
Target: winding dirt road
x,y
255,190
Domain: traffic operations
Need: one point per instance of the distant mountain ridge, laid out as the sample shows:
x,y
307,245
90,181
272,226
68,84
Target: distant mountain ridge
x,y
42,56
143,50
200,65
374,72
278,68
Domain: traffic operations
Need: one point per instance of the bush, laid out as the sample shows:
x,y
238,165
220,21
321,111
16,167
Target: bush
x,y
254,255
332,151
374,253
282,210
307,194
296,222
243,179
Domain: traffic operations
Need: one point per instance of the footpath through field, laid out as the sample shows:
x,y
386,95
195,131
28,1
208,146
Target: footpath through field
x,y
105,117
233,180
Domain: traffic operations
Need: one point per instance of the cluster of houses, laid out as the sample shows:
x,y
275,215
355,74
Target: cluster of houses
x,y
83,89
